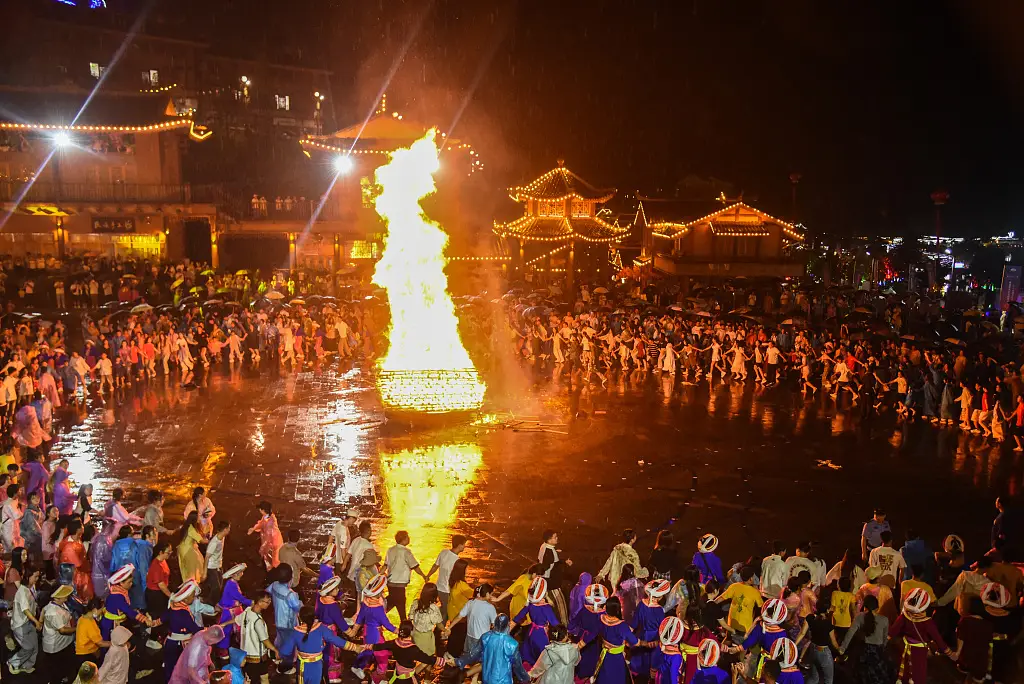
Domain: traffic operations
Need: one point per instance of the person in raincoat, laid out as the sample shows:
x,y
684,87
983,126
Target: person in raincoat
x,y
236,660
100,554
38,476
72,552
27,431
271,540
63,498
114,669
498,654
194,665
190,559
557,663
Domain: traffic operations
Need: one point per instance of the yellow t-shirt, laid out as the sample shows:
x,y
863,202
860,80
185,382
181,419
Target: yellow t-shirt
x,y
741,611
457,598
842,606
87,636
519,591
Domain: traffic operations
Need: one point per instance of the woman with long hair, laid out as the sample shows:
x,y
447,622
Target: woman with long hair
x,y
629,592
190,560
72,552
426,618
850,566
872,665
15,572
83,504
49,532
200,504
664,559
684,592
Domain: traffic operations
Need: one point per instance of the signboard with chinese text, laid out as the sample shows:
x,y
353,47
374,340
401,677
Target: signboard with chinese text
x,y
102,224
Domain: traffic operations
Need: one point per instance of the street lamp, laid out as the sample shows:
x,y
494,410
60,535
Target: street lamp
x,y
342,164
61,139
939,198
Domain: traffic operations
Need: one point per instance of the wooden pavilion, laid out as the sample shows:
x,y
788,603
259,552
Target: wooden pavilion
x,y
561,212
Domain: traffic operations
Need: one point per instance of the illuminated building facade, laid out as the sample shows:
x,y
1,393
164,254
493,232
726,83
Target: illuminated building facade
x,y
722,238
561,223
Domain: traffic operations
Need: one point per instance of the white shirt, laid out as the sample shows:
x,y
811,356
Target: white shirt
x,y
774,574
215,553
24,600
479,616
341,540
773,355
400,562
445,560
54,617
358,547
253,632
797,564
105,367
887,559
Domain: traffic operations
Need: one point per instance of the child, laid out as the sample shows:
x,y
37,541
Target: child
x,y
707,562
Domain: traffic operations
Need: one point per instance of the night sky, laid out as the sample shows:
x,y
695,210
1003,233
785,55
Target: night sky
x,y
876,104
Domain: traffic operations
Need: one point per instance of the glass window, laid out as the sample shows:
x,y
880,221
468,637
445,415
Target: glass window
x,y
95,70
282,102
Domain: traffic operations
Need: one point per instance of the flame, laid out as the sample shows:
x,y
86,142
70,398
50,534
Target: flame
x,y
426,367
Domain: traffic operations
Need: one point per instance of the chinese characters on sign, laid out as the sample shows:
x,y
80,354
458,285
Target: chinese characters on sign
x,y
113,225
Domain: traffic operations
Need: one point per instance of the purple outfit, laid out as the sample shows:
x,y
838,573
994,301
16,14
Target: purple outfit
x,y
588,628
372,618
541,616
38,476
63,498
645,623
233,602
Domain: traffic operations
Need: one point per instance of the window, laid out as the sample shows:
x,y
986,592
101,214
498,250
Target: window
x,y
95,70
151,77
369,191
580,208
551,208
282,102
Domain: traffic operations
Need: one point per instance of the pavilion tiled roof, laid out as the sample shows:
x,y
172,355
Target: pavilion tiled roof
x,y
62,107
560,183
552,229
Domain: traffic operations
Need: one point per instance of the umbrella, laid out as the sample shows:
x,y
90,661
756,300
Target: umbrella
x,y
187,301
618,312
207,272
177,283
600,290
675,307
705,314
242,272
141,308
864,309
225,290
741,310
956,341
298,301
129,276
212,302
508,297
196,290
274,294
908,337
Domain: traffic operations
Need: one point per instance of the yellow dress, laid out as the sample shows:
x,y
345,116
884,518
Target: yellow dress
x,y
457,598
519,591
190,561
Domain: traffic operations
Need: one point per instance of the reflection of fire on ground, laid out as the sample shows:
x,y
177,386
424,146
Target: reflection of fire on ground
x,y
424,487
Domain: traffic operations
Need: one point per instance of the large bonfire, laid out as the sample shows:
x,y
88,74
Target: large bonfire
x,y
426,368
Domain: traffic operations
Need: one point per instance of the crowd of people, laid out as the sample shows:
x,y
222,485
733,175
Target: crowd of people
x,y
113,593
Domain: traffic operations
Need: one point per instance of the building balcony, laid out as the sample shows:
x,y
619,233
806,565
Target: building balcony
x,y
23,192
729,267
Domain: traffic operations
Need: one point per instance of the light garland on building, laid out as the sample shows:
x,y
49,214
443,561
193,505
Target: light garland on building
x,y
526,192
162,89
97,129
787,228
553,252
479,258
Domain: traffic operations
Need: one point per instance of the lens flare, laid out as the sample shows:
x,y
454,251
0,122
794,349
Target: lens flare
x,y
426,368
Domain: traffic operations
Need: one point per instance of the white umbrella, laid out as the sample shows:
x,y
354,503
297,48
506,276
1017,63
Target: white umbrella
x,y
141,308
600,290
301,302
274,294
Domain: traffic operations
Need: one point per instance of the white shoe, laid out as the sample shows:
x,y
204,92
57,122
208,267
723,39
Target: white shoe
x,y
358,672
155,645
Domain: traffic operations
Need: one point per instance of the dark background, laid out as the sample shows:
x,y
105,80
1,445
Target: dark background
x,y
875,103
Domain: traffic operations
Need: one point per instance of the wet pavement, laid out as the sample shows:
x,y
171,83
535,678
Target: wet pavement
x,y
747,464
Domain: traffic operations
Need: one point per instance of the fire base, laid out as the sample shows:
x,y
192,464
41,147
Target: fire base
x,y
430,395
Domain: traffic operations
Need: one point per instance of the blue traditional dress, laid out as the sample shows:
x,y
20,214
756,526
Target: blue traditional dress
x,y
328,611
611,664
372,616
711,675
326,573
232,603
541,617
646,620
710,567
309,647
588,624
666,664
764,636
178,619
116,610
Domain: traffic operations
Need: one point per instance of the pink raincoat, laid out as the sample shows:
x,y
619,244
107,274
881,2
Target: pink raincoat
x,y
270,540
195,663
